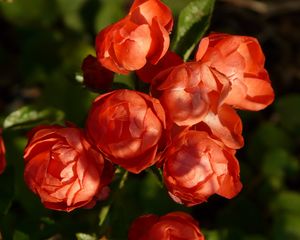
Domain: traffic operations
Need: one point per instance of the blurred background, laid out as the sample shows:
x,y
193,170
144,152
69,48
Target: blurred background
x,y
42,45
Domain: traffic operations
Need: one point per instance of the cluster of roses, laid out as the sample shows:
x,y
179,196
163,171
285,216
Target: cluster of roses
x,y
188,125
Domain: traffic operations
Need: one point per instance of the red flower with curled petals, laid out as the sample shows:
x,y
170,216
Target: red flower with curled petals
x,y
2,154
241,60
175,225
188,91
149,71
197,166
144,11
127,127
95,76
224,125
142,36
64,169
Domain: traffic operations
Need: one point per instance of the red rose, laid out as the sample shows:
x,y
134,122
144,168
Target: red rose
x,y
127,127
149,71
64,169
95,76
241,60
142,36
196,166
188,91
224,125
176,225
2,153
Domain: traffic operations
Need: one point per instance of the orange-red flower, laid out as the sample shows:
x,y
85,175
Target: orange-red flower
x,y
188,91
175,225
142,36
196,167
2,153
241,60
149,71
224,125
95,76
127,127
64,169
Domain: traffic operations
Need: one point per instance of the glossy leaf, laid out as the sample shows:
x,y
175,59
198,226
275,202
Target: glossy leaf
x,y
29,116
193,22
84,236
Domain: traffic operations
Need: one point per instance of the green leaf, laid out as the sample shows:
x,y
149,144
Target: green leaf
x,y
84,236
18,235
157,174
211,235
123,180
193,22
103,214
29,116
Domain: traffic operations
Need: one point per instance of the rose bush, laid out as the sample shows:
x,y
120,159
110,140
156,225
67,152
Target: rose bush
x,y
127,126
64,169
197,166
141,36
185,124
175,225
241,60
2,153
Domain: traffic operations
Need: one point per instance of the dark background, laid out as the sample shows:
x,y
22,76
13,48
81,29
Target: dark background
x,y
42,45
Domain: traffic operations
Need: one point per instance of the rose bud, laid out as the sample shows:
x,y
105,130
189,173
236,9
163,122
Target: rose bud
x,y
175,225
96,77
225,125
149,71
142,36
2,153
188,91
241,60
197,166
127,127
64,169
